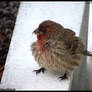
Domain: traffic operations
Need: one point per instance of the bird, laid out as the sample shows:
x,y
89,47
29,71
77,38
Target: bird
x,y
57,49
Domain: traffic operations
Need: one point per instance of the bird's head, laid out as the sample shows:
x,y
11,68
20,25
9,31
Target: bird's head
x,y
46,29
43,30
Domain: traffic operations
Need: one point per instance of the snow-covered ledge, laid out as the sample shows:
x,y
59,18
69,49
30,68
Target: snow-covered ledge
x,y
20,63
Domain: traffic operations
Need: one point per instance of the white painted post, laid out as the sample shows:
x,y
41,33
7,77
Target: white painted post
x,y
89,59
79,81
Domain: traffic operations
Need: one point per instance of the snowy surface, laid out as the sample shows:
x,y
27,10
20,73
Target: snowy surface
x,y
89,63
20,63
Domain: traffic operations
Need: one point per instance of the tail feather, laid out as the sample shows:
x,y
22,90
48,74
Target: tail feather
x,y
87,53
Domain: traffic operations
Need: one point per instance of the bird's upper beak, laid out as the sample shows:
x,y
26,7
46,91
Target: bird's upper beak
x,y
36,31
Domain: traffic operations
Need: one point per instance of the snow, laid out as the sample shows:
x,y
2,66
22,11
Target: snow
x,y
20,63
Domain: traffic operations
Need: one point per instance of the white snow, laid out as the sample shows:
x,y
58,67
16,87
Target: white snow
x,y
20,63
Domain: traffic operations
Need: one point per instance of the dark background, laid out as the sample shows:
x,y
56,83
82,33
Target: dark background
x,y
8,14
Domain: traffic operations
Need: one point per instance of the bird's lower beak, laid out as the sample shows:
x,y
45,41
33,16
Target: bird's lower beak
x,y
36,31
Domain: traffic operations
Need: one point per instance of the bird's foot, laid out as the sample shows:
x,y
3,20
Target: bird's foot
x,y
39,70
64,77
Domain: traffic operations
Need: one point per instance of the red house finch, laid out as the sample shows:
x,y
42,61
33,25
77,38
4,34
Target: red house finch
x,y
57,48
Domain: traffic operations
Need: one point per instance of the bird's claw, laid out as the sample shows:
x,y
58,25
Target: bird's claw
x,y
39,70
64,77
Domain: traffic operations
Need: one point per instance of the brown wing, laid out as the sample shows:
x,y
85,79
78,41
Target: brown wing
x,y
72,43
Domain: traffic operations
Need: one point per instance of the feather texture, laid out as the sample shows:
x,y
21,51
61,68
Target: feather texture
x,y
58,49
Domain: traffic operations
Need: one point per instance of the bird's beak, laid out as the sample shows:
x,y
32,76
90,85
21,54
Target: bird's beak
x,y
36,31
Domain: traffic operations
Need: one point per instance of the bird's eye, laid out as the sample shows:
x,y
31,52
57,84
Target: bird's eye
x,y
41,33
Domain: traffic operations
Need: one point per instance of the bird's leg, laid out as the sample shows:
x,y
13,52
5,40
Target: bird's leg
x,y
64,77
40,70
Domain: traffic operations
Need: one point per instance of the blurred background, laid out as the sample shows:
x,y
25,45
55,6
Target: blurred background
x,y
8,14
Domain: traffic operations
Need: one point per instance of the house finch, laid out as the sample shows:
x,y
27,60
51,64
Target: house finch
x,y
57,48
